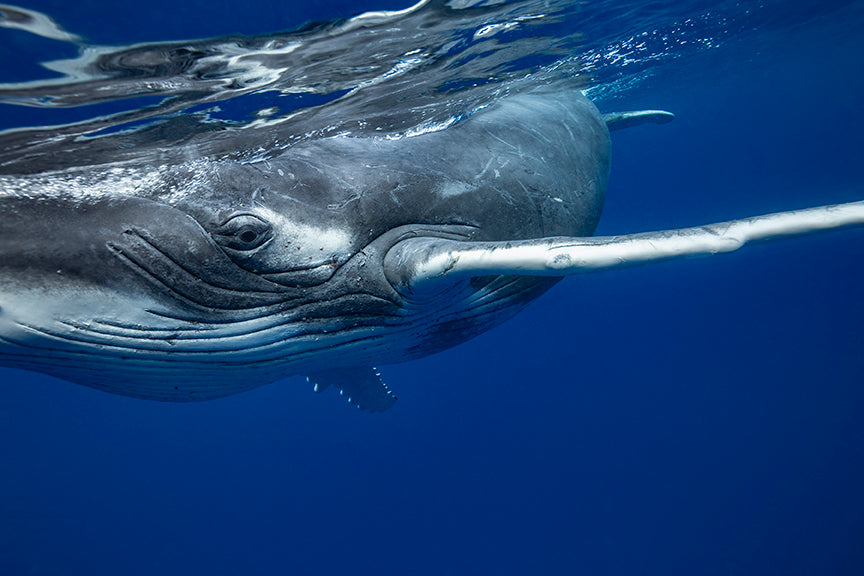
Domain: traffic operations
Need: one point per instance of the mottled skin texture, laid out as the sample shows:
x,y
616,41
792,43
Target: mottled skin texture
x,y
203,279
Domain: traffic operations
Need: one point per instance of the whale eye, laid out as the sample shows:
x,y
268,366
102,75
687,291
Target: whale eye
x,y
243,232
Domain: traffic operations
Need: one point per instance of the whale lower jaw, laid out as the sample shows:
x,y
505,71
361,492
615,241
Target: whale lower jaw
x,y
190,361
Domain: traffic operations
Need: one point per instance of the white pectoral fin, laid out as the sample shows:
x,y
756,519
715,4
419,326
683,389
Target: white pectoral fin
x,y
420,262
619,120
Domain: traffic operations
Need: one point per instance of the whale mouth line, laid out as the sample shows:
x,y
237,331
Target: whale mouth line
x,y
244,336
188,300
251,344
159,268
307,275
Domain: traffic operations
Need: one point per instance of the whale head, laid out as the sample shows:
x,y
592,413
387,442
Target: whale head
x,y
205,277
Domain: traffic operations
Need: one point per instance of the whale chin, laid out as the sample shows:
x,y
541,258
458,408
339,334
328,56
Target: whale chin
x,y
181,360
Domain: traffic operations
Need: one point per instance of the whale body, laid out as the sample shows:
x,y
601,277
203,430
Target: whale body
x,y
211,276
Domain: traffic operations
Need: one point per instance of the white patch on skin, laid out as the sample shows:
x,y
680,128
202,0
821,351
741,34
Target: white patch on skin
x,y
452,188
71,306
306,244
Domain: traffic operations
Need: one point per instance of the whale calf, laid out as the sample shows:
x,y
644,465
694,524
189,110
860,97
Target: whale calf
x,y
207,277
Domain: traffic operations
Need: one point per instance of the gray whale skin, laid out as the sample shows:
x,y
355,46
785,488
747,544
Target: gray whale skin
x,y
205,278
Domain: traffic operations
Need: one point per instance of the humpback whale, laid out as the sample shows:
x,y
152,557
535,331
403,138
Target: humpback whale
x,y
210,276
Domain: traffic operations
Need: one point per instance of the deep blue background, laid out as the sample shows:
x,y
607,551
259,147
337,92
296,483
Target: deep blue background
x,y
697,417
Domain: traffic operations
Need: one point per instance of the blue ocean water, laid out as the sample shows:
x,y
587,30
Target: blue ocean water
x,y
701,416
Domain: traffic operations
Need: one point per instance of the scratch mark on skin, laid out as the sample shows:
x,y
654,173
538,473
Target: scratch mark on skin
x,y
340,205
394,194
572,136
502,140
506,196
572,118
485,169
536,134
501,167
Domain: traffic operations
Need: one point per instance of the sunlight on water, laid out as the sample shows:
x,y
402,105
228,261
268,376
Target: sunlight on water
x,y
394,74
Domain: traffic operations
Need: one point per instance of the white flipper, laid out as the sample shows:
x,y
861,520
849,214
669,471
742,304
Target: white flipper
x,y
419,263
362,387
619,120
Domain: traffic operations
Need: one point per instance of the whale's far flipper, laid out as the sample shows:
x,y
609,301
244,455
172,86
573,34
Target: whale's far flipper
x,y
362,387
618,120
